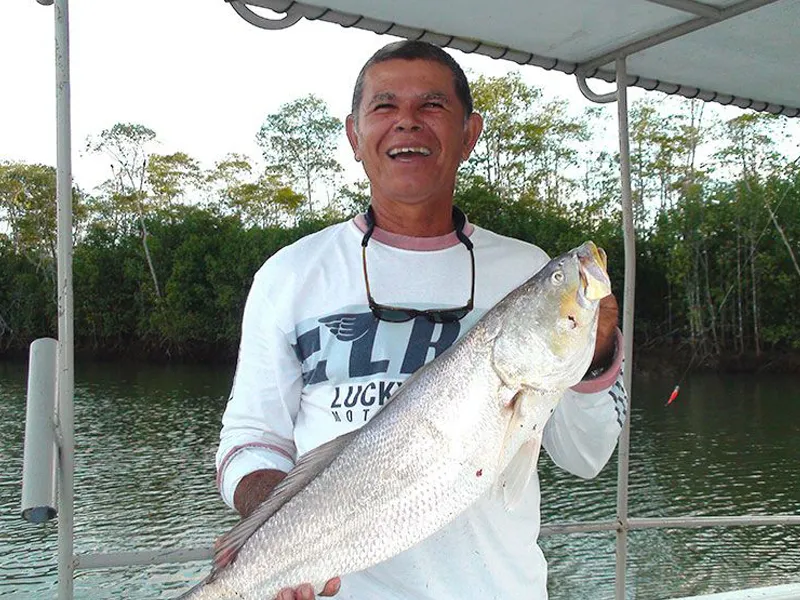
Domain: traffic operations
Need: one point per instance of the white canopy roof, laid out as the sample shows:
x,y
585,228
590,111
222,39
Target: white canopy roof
x,y
727,51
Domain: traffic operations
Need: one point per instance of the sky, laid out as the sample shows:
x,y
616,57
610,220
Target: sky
x,y
191,70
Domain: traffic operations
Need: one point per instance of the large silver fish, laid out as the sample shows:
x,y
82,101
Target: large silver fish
x,y
469,421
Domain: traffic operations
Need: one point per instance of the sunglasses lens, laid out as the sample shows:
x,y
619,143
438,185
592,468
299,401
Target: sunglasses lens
x,y
447,316
392,315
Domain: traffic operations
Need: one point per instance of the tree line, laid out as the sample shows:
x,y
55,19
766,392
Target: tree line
x,y
165,250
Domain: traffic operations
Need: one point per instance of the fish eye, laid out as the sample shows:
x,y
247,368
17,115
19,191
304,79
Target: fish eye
x,y
557,278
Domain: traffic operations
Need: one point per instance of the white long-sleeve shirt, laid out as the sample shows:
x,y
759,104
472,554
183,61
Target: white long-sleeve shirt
x,y
314,364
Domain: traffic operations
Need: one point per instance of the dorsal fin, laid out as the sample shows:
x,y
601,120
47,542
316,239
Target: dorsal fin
x,y
307,468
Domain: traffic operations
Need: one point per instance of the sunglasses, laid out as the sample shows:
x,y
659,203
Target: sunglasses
x,y
396,314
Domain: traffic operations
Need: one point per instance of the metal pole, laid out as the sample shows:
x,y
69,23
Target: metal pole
x,y
66,559
627,321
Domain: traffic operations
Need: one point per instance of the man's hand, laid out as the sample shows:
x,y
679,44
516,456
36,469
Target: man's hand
x,y
607,320
252,490
306,592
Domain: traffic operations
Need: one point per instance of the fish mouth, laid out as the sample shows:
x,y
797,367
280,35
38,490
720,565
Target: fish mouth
x,y
592,265
588,288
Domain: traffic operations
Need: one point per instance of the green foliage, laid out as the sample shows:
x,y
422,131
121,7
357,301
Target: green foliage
x,y
27,300
528,147
108,274
263,200
506,106
28,209
170,177
299,141
353,200
165,252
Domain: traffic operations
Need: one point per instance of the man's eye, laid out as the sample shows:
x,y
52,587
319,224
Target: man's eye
x,y
383,106
433,105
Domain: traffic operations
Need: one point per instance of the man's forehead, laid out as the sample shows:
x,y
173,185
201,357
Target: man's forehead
x,y
416,76
384,96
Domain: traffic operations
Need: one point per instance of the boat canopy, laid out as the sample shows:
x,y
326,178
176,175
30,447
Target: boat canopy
x,y
726,51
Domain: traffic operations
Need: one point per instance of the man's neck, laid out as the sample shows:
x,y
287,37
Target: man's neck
x,y
416,220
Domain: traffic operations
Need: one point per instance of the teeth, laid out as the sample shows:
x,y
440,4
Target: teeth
x,y
409,150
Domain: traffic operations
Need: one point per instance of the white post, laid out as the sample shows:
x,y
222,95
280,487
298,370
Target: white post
x,y
39,462
627,321
65,378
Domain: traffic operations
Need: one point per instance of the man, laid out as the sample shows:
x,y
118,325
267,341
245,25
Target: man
x,y
329,333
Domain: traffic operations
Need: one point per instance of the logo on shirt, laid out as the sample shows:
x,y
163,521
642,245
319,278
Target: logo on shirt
x,y
363,360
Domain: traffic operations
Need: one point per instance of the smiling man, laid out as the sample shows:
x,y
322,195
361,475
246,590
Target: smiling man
x,y
411,130
337,321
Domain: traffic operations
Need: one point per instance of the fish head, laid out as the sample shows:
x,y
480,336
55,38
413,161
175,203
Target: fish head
x,y
550,324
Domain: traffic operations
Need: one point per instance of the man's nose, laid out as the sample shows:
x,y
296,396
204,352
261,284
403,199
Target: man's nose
x,y
408,121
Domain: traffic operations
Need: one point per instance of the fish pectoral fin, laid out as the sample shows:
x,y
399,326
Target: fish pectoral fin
x,y
514,479
520,447
307,468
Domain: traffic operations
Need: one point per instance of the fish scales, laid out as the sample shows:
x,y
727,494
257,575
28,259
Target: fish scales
x,y
447,437
429,430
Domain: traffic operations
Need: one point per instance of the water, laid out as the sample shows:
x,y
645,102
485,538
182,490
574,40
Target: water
x,y
146,438
729,445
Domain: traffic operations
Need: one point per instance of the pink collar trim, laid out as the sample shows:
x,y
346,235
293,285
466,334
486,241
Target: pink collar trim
x,y
408,242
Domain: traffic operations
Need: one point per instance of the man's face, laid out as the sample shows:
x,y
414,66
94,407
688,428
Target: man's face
x,y
411,132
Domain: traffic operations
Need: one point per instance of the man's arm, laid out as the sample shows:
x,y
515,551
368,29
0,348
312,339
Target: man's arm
x,y
256,441
258,424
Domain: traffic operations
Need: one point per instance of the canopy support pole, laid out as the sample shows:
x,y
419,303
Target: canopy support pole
x,y
65,365
627,322
628,300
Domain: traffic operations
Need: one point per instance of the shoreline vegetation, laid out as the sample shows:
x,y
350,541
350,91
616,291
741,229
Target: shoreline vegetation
x,y
675,360
165,251
647,361
206,262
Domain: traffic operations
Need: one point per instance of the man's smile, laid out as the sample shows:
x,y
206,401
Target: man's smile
x,y
408,151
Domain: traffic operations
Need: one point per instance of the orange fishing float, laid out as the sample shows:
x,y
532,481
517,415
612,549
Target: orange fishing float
x,y
673,395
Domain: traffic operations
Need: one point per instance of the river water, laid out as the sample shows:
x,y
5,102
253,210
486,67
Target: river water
x,y
146,438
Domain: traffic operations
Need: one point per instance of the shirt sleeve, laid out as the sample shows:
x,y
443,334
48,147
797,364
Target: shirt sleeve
x,y
258,422
583,431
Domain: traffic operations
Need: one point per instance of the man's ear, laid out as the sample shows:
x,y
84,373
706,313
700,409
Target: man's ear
x,y
472,131
352,135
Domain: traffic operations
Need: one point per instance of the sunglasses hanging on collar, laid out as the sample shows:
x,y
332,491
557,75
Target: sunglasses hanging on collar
x,y
396,314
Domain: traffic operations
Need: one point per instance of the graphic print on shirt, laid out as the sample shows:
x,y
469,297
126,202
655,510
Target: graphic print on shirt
x,y
352,362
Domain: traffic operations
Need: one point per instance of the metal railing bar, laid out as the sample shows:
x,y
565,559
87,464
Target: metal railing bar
x,y
579,527
141,557
732,521
90,561
670,523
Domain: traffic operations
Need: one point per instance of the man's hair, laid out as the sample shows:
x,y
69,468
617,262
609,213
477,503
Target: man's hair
x,y
415,50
